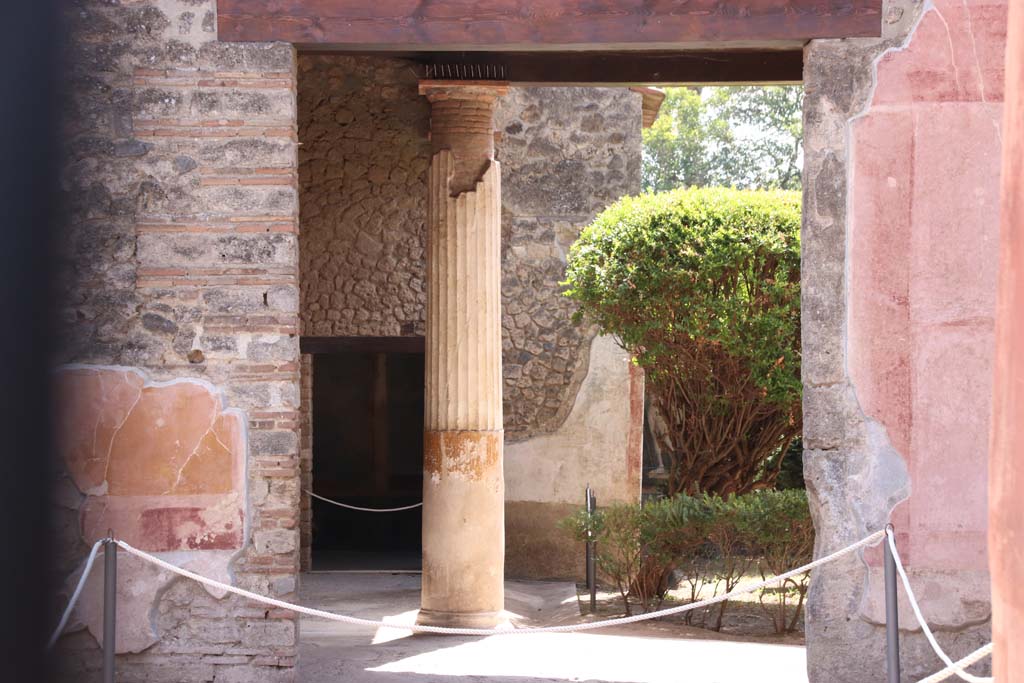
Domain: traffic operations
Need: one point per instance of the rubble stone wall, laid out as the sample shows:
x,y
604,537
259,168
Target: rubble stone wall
x,y
363,176
180,377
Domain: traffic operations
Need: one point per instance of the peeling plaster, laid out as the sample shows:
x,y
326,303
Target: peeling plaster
x,y
856,475
591,446
141,585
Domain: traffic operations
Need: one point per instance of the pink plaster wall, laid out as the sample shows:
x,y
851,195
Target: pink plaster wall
x,y
163,465
1006,466
922,280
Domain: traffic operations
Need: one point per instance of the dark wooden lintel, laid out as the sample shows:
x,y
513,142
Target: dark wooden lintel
x,y
316,345
629,68
535,25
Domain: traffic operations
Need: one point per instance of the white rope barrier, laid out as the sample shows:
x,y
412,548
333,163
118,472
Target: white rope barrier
x,y
952,666
74,596
356,507
565,628
980,653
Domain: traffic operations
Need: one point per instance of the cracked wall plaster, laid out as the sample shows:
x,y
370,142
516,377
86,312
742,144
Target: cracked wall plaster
x,y
897,288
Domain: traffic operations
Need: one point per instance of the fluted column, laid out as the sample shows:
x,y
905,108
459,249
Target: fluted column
x,y
463,485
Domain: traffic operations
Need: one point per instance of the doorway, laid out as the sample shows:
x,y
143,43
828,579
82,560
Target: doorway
x,y
367,413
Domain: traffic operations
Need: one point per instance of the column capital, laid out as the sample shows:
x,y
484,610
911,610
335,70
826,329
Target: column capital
x,y
462,121
437,90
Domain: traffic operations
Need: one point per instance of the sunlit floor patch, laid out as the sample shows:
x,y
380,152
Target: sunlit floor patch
x,y
595,657
640,653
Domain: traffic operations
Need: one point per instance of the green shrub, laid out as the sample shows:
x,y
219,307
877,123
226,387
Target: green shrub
x,y
617,530
711,541
702,286
733,547
671,530
779,522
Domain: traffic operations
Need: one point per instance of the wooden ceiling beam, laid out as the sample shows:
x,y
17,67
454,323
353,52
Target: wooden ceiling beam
x,y
735,67
528,25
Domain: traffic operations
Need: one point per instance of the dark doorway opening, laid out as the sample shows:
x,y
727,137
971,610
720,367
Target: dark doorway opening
x,y
367,452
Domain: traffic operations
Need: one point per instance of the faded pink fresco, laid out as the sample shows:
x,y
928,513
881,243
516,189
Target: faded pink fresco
x,y
162,465
923,251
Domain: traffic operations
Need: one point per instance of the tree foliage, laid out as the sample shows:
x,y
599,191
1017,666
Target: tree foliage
x,y
702,287
747,137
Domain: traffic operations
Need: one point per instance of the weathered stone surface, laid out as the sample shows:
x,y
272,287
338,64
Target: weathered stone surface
x,y
363,174
137,582
566,153
179,260
897,305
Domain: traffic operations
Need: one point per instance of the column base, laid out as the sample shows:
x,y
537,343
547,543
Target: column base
x,y
429,617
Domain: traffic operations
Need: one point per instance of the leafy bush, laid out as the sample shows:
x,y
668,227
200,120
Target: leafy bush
x,y
712,542
617,529
672,529
780,524
733,546
702,286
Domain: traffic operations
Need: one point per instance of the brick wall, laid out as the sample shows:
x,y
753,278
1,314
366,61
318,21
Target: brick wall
x,y
180,266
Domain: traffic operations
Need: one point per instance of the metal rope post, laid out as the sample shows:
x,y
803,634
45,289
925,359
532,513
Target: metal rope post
x,y
109,607
892,618
591,556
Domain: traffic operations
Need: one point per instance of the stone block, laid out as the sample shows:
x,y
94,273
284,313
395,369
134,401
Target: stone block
x,y
247,57
832,417
268,633
244,152
273,349
286,673
273,443
167,250
277,542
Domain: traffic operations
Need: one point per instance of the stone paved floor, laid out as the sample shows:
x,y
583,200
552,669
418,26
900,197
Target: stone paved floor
x,y
640,653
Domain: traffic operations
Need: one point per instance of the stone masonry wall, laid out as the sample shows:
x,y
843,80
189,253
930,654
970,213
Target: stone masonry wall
x,y
363,173
306,462
180,289
900,226
565,153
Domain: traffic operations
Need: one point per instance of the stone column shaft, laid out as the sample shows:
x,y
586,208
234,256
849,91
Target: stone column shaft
x,y
463,487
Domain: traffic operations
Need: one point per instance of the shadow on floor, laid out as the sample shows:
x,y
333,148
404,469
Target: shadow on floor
x,y
367,561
